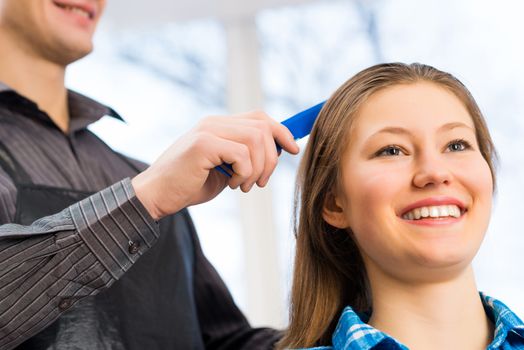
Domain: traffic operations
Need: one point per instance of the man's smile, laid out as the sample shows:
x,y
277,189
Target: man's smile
x,y
83,10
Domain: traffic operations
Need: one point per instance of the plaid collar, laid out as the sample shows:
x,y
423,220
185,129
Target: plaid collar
x,y
505,320
353,333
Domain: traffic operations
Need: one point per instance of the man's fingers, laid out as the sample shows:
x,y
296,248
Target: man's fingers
x,y
259,133
234,153
284,138
281,135
271,161
231,128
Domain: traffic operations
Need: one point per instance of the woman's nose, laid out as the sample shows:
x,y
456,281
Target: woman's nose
x,y
431,171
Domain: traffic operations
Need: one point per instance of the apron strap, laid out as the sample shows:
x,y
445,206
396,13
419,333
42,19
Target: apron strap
x,y
11,166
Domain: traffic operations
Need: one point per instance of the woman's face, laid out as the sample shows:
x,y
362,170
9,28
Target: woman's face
x,y
415,189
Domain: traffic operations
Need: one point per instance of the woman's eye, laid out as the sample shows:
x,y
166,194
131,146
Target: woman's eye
x,y
389,151
458,145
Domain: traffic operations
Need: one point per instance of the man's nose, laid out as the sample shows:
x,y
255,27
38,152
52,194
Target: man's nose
x,y
431,170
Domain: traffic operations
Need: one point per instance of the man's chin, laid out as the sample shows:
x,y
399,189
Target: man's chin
x,y
69,54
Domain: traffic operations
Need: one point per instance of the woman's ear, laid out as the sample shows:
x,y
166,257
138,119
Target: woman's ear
x,y
334,213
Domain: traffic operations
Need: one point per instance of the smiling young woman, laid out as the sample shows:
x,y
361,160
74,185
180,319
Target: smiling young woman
x,y
394,197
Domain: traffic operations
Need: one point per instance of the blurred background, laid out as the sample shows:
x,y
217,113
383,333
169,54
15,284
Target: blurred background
x,y
164,64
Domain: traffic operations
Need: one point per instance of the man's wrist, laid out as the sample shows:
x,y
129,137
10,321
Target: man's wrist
x,y
141,192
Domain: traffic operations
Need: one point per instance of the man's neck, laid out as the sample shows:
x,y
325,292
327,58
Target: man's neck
x,y
444,315
34,77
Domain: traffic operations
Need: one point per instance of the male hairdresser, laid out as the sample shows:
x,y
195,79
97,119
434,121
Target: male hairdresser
x,y
96,249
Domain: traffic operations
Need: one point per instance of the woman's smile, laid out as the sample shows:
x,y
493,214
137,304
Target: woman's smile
x,y
434,211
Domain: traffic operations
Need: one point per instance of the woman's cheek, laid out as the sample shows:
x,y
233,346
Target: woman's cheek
x,y
371,193
474,174
479,181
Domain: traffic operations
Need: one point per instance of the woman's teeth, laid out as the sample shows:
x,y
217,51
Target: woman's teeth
x,y
433,212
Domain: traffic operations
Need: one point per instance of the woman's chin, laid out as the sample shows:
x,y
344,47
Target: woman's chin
x,y
443,253
438,265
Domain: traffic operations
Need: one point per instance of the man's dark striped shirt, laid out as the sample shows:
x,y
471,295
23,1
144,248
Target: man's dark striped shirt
x,y
92,235
78,237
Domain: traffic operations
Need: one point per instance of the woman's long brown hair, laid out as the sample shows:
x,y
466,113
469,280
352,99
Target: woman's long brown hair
x,y
329,272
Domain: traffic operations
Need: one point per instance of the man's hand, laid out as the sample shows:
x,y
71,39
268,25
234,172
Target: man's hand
x,y
184,175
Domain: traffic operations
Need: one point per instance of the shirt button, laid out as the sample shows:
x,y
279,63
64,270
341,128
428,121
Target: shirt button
x,y
65,304
133,247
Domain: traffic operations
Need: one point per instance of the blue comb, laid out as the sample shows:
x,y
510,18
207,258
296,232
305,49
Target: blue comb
x,y
300,125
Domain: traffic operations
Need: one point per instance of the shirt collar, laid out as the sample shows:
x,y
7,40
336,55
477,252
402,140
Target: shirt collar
x,y
83,110
505,320
353,333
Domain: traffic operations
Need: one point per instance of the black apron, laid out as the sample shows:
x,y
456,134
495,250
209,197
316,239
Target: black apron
x,y
151,306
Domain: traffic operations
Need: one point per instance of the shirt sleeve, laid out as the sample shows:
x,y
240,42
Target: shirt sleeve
x,y
48,266
222,324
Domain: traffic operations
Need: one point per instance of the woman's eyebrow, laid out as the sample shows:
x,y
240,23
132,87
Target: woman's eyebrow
x,y
392,130
454,125
400,130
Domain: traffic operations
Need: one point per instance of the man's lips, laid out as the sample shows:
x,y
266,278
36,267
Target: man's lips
x,y
89,8
434,201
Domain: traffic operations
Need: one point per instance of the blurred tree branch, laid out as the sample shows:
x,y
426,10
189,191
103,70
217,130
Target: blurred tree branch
x,y
176,62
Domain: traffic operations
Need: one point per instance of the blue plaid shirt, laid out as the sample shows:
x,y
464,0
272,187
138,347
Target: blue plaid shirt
x,y
352,332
